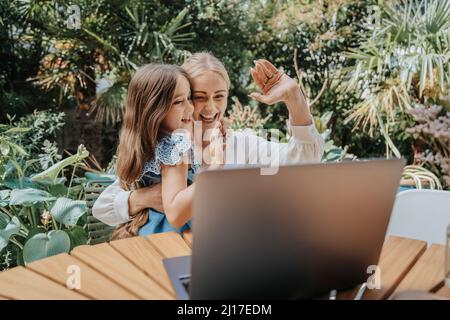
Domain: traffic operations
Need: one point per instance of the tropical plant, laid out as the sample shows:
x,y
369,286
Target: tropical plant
x,y
43,125
77,60
307,39
10,151
332,153
39,212
403,59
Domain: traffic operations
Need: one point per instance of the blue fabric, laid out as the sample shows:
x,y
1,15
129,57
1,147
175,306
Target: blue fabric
x,y
168,151
405,188
157,222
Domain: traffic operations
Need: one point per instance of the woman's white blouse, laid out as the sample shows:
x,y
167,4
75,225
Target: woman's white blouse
x,y
242,147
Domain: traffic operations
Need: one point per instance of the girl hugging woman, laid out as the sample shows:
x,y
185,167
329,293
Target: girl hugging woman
x,y
155,147
154,189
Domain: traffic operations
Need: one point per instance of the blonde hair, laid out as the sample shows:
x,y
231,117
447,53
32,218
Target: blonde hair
x,y
201,62
149,100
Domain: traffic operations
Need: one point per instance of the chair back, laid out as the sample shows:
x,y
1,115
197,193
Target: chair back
x,y
421,214
98,231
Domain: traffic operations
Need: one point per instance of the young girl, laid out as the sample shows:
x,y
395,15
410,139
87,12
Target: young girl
x,y
155,147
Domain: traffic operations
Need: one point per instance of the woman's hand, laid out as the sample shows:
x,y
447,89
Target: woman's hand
x,y
145,198
277,86
216,148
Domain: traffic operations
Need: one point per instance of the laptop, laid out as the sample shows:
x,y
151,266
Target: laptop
x,y
300,233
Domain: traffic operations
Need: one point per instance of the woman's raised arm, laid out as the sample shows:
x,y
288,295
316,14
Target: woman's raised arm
x,y
277,86
305,144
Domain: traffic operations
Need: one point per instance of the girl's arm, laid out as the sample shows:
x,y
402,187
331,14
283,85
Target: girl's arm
x,y
177,197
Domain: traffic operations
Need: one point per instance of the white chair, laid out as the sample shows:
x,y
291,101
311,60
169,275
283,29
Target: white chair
x,y
421,214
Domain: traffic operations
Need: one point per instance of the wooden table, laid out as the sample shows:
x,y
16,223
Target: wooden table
x,y
133,269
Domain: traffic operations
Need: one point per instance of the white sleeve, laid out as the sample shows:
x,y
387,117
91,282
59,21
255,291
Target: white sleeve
x,y
304,145
111,207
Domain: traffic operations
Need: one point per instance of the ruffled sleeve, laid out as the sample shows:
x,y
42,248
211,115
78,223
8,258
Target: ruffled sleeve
x,y
169,151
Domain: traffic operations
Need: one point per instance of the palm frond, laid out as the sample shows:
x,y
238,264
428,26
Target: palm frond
x,y
408,49
108,106
387,102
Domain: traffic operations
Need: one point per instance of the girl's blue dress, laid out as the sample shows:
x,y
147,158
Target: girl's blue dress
x,y
169,150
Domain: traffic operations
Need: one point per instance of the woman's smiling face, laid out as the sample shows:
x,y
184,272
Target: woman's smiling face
x,y
210,95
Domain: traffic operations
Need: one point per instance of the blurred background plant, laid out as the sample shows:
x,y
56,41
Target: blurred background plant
x,y
40,195
400,73
242,117
332,153
431,134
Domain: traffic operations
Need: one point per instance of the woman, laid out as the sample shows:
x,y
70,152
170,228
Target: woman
x,y
211,86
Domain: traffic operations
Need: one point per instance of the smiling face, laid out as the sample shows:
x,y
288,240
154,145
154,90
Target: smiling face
x,y
210,93
180,114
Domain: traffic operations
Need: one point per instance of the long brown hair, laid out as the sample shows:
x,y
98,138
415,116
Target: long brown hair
x,y
149,100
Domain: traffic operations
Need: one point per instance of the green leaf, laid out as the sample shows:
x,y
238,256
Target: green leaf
x,y
100,177
17,167
74,191
4,149
17,130
17,149
78,236
16,183
35,231
4,220
102,41
19,258
29,197
423,75
44,245
4,195
10,229
68,211
49,183
52,173
58,190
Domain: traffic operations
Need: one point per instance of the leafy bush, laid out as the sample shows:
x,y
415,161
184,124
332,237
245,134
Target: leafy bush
x,y
364,65
40,211
42,125
307,40
242,117
403,62
432,138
